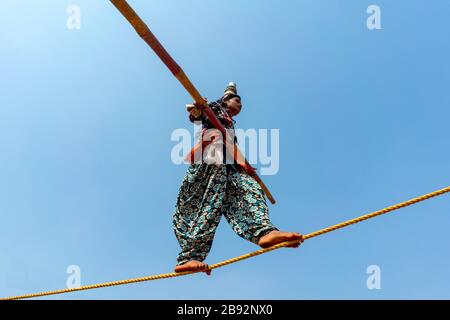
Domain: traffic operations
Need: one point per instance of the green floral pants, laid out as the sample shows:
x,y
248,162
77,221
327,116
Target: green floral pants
x,y
208,191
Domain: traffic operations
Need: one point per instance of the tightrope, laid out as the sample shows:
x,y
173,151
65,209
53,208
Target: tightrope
x,y
242,257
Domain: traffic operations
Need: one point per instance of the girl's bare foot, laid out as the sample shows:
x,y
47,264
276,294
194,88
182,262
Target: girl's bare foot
x,y
275,237
193,265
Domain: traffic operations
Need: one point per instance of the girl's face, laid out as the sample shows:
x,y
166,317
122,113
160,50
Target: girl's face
x,y
234,106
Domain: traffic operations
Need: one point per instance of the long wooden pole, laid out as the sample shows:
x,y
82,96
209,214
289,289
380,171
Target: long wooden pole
x,y
144,32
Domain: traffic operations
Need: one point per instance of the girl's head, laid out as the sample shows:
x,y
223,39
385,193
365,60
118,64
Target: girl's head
x,y
231,99
233,104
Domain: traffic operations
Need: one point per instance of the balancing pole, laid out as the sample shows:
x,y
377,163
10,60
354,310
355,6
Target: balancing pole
x,y
144,32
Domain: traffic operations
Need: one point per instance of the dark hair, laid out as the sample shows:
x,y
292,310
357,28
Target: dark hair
x,y
230,96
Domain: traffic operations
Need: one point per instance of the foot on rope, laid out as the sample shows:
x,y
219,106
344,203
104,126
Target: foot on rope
x,y
275,237
193,265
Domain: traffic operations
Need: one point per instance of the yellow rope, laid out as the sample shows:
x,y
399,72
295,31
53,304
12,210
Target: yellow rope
x,y
242,257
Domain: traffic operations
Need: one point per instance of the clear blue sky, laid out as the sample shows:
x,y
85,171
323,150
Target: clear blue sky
x,y
85,123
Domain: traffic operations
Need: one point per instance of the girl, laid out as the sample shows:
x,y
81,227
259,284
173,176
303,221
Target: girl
x,y
209,191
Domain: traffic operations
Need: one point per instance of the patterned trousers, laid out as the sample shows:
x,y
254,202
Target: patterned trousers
x,y
209,191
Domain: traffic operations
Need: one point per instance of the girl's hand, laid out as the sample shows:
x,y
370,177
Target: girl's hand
x,y
194,109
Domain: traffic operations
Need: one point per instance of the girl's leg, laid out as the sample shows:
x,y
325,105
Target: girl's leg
x,y
246,208
247,212
198,210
